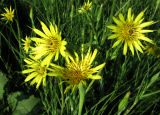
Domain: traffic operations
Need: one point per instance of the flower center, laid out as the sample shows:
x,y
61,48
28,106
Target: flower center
x,y
76,72
9,16
87,7
41,70
52,44
74,76
128,32
27,43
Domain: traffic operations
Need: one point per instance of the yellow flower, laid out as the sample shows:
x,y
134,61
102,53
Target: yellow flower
x,y
150,49
153,50
36,72
77,71
49,45
130,32
86,7
26,44
8,15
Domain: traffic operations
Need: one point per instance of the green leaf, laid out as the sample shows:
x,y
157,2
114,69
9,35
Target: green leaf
x,y
154,79
12,99
3,81
23,106
99,13
123,103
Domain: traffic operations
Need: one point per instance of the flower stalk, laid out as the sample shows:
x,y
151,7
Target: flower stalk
x,y
81,97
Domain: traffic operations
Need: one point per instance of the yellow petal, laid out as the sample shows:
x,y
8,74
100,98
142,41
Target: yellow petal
x,y
39,55
40,33
139,22
139,17
112,27
55,74
113,36
44,80
145,24
77,57
67,59
93,56
39,48
116,43
146,31
56,56
39,82
129,16
28,61
119,23
94,77
27,71
95,69
47,59
121,17
35,80
131,47
132,17
136,45
140,44
31,76
56,66
64,42
71,58
52,29
62,52
45,29
38,40
88,54
146,39
125,48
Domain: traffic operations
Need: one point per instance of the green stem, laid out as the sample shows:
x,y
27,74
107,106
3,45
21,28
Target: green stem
x,y
110,18
128,110
82,97
62,101
89,86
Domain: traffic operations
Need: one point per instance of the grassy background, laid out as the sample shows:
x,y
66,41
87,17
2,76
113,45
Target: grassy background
x,y
121,74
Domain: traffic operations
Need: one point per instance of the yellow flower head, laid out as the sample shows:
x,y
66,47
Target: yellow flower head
x,y
153,50
86,7
49,45
26,44
78,70
130,31
36,72
8,15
